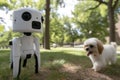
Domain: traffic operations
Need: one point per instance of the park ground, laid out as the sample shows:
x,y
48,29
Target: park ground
x,y
60,64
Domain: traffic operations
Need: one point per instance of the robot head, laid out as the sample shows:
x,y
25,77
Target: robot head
x,y
27,20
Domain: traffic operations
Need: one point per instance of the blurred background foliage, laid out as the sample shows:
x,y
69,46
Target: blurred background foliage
x,y
84,23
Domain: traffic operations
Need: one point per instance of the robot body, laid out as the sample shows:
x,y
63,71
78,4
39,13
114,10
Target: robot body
x,y
25,20
22,49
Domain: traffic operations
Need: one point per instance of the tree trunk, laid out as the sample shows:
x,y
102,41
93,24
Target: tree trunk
x,y
47,24
111,22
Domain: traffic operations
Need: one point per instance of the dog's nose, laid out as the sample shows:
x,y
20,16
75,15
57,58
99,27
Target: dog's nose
x,y
87,49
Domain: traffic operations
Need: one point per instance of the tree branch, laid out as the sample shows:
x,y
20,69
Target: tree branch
x,y
101,1
115,4
95,6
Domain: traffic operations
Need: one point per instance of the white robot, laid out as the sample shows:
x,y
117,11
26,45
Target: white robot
x,y
26,21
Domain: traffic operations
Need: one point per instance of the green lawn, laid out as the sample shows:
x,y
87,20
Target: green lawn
x,y
60,64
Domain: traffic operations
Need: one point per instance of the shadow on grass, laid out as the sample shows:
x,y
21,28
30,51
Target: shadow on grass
x,y
52,63
109,73
61,65
113,71
66,58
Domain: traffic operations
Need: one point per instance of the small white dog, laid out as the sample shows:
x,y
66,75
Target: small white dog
x,y
99,54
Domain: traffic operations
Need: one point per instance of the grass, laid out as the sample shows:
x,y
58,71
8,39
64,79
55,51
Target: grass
x,y
59,64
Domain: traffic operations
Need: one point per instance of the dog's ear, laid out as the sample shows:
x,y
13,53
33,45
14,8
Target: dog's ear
x,y
100,46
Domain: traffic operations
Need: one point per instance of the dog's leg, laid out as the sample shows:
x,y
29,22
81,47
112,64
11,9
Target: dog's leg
x,y
98,67
113,60
93,68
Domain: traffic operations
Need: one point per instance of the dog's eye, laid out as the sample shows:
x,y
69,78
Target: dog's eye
x,y
87,49
91,46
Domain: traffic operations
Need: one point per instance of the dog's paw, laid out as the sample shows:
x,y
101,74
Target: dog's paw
x,y
92,68
97,69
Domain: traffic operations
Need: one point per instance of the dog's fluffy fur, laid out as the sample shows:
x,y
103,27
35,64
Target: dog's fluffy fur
x,y
99,54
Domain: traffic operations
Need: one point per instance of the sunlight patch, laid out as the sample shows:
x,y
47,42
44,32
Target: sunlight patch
x,y
71,68
61,62
56,64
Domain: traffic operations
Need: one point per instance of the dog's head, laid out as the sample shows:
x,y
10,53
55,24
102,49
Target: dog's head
x,y
93,46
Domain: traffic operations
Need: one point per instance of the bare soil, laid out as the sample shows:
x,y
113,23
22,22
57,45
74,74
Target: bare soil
x,y
73,72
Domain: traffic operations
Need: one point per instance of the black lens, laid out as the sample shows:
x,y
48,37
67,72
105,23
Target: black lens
x,y
10,43
26,16
36,25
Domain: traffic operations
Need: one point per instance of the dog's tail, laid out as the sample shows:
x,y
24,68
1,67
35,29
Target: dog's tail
x,y
114,44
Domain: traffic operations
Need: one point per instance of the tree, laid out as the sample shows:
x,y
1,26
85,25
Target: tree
x,y
70,31
1,28
62,30
5,37
47,23
56,29
4,3
91,23
111,5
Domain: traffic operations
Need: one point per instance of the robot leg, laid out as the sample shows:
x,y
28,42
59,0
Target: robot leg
x,y
11,65
36,63
16,66
25,60
11,54
11,60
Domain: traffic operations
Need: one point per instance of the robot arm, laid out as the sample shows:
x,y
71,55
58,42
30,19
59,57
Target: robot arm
x,y
37,54
16,57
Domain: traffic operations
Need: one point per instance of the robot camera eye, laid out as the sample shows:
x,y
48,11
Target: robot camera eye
x,y
36,25
26,16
